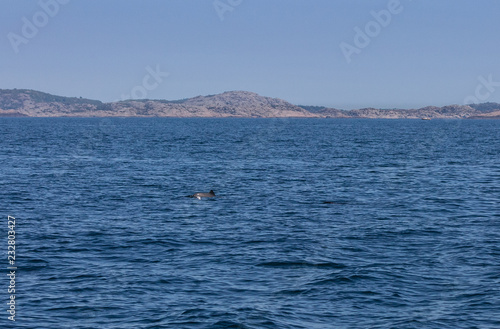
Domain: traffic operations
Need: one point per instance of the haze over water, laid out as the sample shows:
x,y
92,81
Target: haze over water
x,y
107,239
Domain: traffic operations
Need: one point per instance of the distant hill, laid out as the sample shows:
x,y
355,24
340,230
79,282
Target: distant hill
x,y
24,102
431,112
32,103
243,104
228,104
489,115
486,107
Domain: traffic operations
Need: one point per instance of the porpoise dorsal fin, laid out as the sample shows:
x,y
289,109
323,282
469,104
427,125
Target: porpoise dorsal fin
x,y
211,192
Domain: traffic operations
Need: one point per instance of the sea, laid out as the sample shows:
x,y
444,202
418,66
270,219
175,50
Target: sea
x,y
316,223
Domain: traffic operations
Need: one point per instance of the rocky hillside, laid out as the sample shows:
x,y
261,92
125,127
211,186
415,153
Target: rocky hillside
x,y
21,102
229,104
431,112
31,103
489,115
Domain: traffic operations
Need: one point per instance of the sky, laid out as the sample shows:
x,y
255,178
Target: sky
x,y
337,53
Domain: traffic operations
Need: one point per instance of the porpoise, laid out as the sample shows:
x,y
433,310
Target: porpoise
x,y
210,194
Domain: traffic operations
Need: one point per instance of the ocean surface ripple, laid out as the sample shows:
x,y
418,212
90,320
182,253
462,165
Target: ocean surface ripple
x,y
317,223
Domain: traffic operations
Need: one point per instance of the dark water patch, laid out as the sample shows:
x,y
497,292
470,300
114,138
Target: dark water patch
x,y
341,279
294,264
227,325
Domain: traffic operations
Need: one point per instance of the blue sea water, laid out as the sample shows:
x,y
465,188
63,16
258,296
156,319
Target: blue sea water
x,y
106,237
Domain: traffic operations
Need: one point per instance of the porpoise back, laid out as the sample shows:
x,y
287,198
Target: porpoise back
x,y
200,195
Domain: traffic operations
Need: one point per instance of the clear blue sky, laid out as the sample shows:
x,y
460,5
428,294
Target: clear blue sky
x,y
429,53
